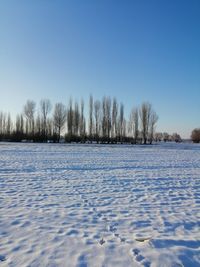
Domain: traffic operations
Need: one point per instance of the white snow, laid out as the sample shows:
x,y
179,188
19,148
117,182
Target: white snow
x,y
99,206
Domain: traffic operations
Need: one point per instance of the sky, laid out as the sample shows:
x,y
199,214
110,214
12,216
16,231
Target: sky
x,y
136,51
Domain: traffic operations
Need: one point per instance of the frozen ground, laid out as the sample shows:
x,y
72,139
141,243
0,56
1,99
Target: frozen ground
x,y
82,205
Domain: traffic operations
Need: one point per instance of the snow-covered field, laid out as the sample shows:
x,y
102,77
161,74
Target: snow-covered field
x,y
95,205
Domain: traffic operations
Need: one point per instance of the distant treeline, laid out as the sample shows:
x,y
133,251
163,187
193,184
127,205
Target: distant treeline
x,y
195,135
105,123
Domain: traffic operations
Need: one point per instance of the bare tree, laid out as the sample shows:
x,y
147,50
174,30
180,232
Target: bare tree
x,y
97,115
70,119
76,119
176,137
82,121
124,128
17,124
114,118
49,130
158,137
91,116
134,124
195,136
166,137
8,125
45,107
38,125
29,110
121,121
22,124
59,118
16,133
103,117
5,125
145,113
2,123
108,118
153,121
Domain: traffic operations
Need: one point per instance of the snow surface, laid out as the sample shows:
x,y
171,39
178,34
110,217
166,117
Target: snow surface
x,y
95,205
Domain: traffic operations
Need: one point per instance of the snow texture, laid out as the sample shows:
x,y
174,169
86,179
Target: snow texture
x,y
99,205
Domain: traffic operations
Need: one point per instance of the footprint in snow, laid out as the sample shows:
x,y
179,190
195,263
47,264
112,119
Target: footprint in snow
x,y
121,239
2,258
140,258
102,241
82,261
113,228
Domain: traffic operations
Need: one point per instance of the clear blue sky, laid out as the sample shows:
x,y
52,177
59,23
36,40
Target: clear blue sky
x,y
143,50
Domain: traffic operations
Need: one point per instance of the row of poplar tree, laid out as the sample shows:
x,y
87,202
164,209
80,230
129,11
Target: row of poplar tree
x,y
105,122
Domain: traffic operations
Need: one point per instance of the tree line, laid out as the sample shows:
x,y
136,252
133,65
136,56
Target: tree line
x,y
105,122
